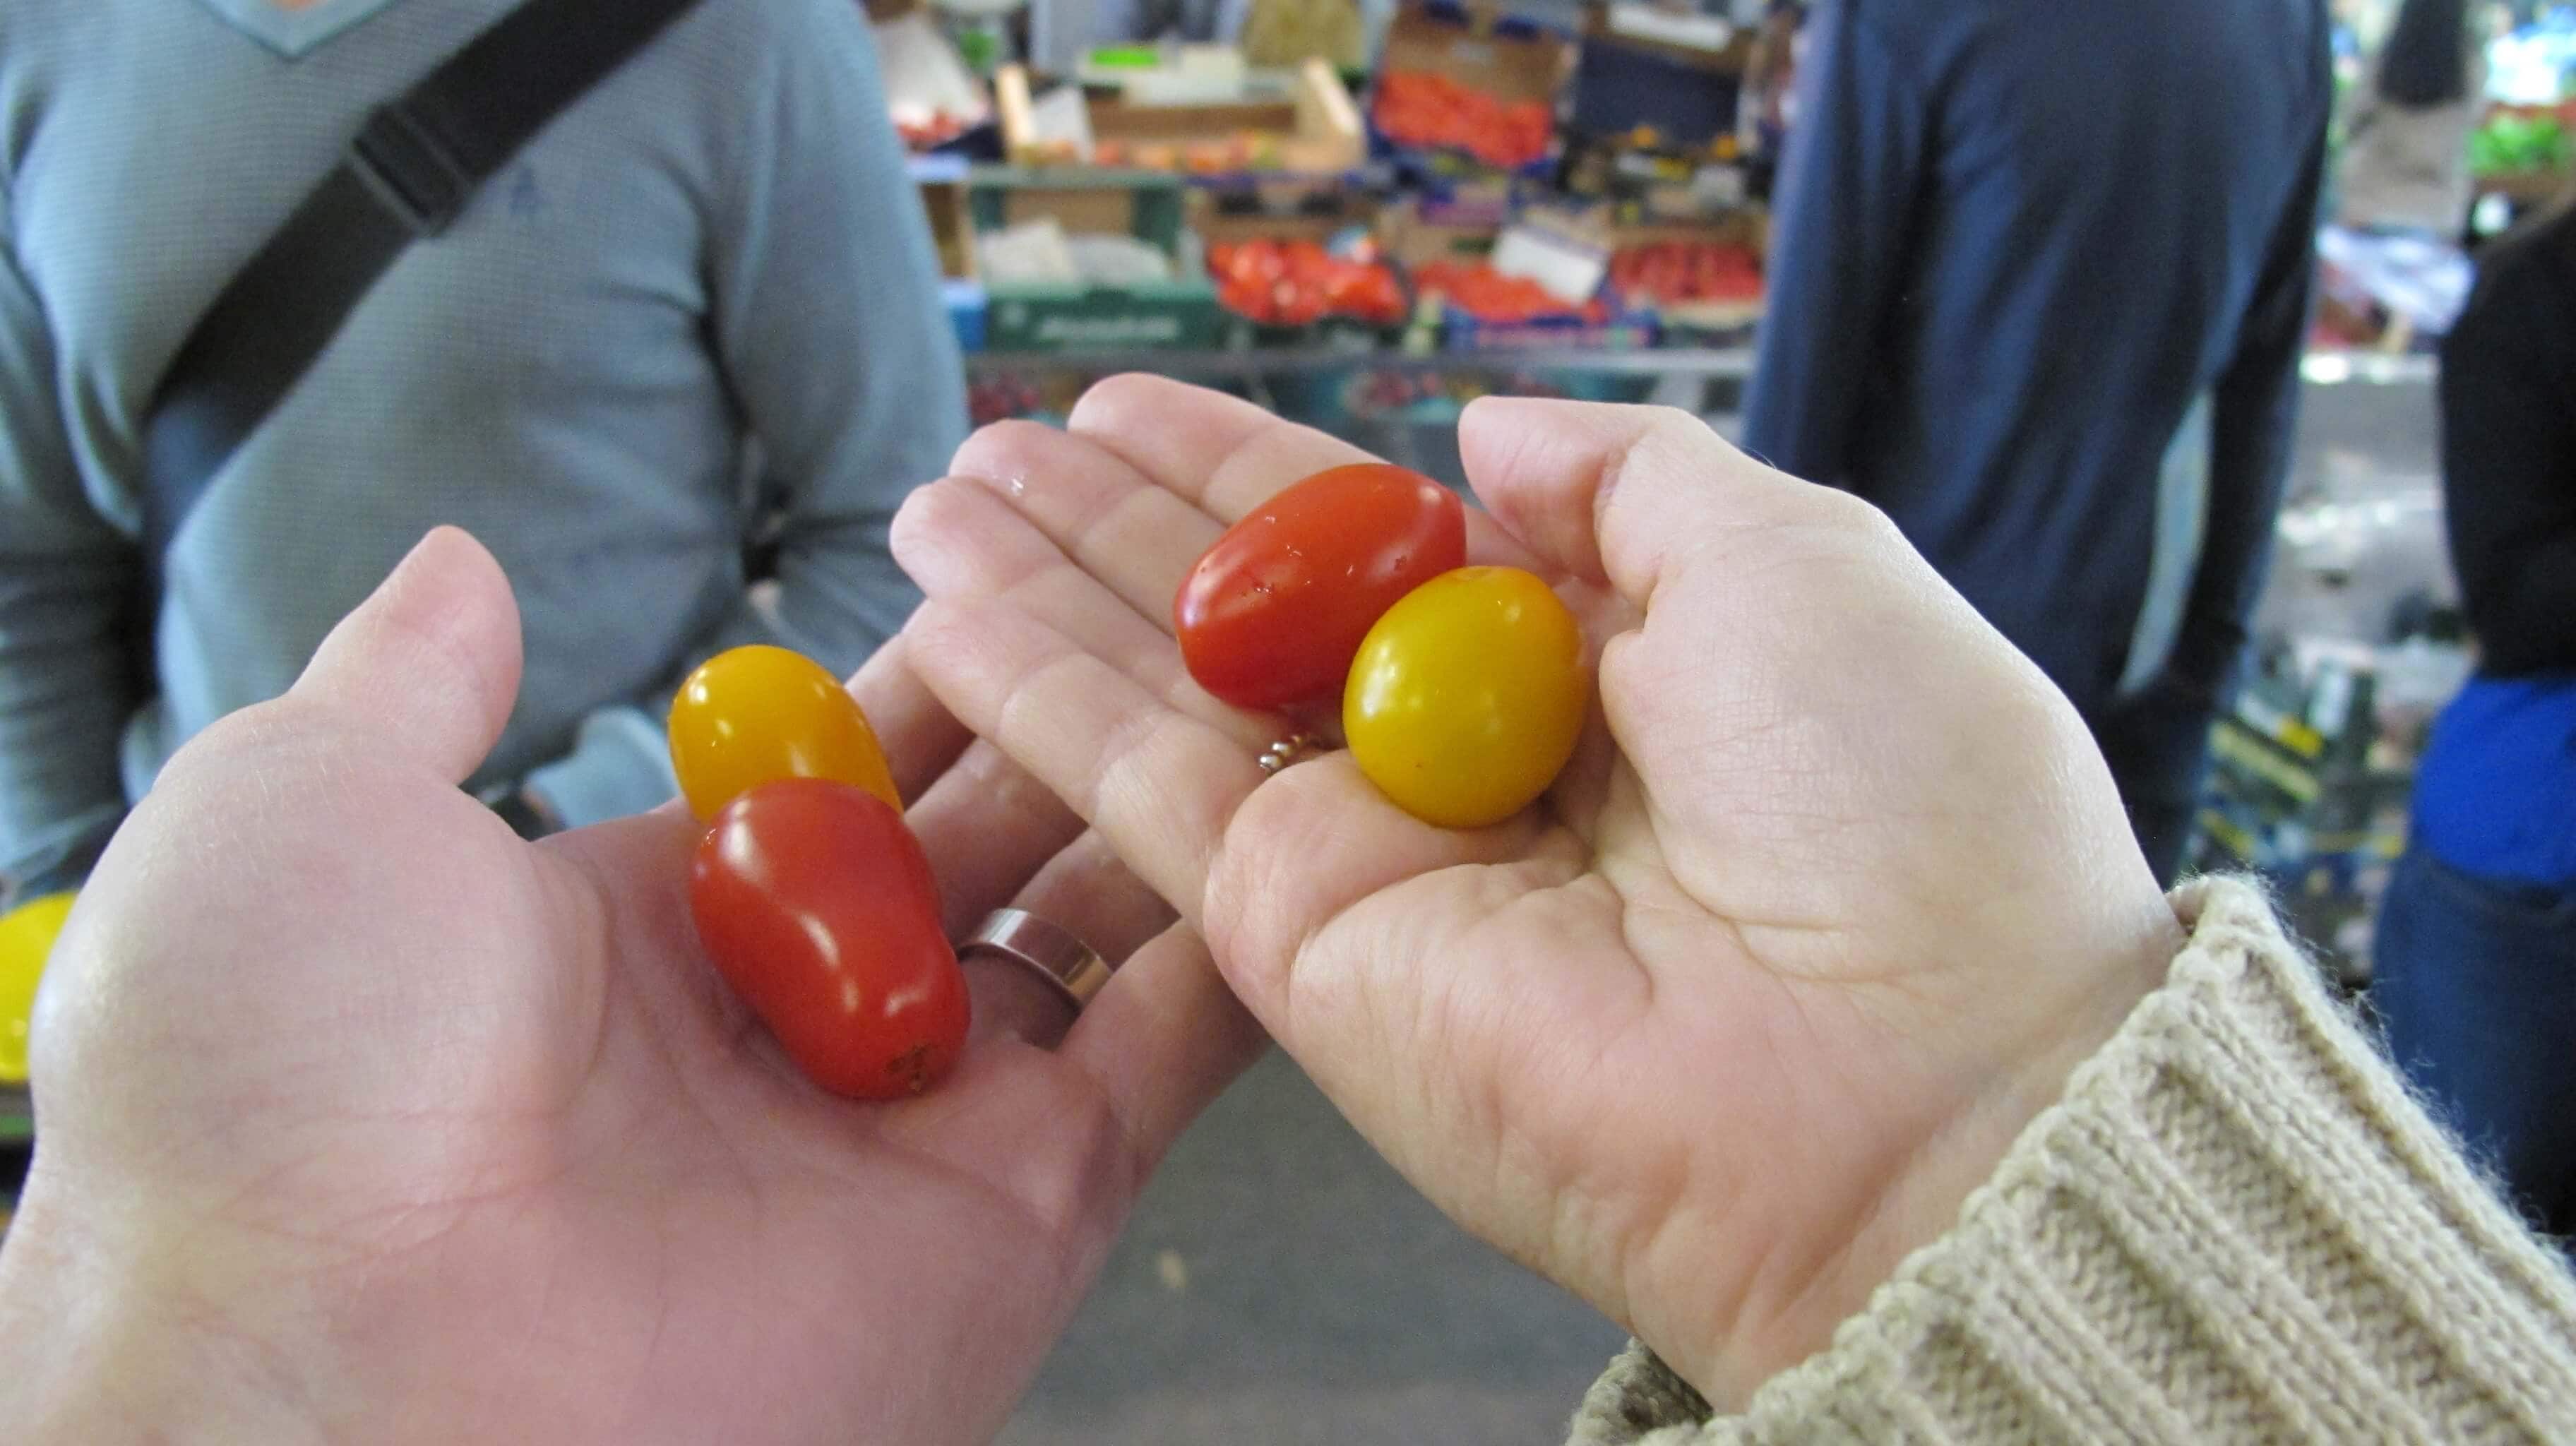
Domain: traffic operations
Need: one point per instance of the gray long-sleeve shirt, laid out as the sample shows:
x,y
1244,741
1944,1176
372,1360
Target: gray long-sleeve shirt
x,y
717,243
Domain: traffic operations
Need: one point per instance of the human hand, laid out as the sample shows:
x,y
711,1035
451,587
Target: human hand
x,y
1833,897
362,1118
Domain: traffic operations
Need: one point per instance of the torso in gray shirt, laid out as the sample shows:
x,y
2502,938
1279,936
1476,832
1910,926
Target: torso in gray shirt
x,y
717,242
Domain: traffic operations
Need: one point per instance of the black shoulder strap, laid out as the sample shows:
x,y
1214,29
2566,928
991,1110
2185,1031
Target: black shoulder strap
x,y
408,174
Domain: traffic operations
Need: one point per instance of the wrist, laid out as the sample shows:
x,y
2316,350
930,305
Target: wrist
x,y
1909,1185
2026,1081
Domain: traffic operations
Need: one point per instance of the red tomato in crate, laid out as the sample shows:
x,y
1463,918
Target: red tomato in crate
x,y
1418,108
1275,611
1295,283
816,904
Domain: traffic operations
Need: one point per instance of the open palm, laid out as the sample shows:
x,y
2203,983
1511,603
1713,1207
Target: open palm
x,y
444,1136
1833,896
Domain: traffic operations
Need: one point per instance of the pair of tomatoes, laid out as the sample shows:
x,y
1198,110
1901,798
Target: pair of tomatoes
x,y
812,898
1462,688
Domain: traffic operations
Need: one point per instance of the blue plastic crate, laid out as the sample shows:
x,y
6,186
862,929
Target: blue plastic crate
x,y
967,311
1622,331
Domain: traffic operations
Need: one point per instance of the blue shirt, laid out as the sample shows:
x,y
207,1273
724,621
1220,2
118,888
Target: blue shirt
x,y
2017,243
2495,794
717,245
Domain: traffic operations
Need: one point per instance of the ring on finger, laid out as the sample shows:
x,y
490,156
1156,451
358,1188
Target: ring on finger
x,y
1068,966
1293,749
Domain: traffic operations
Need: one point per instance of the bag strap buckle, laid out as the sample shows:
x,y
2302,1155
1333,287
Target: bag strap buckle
x,y
410,171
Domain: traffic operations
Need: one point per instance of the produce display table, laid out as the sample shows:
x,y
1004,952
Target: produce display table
x,y
1251,363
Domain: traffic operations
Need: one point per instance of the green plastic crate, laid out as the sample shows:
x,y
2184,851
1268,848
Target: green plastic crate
x,y
1181,313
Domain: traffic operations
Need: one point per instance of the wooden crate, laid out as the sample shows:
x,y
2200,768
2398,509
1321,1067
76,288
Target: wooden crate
x,y
1473,46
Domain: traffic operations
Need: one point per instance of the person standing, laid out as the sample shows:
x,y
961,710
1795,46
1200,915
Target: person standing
x,y
715,245
2039,286
2475,954
2406,148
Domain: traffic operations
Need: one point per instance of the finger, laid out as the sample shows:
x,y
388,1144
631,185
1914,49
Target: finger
x,y
987,827
920,739
1089,893
430,661
957,538
1093,506
1163,1040
1164,788
635,873
1222,453
1622,495
984,824
1158,782
1218,451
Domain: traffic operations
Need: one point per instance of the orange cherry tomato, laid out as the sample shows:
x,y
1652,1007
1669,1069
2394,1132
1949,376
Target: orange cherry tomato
x,y
1273,612
815,903
759,713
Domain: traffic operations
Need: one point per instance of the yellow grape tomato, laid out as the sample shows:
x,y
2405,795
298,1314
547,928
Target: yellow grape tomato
x,y
1467,697
27,935
757,714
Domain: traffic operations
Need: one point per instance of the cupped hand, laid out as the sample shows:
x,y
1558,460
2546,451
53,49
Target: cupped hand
x,y
362,1119
1834,895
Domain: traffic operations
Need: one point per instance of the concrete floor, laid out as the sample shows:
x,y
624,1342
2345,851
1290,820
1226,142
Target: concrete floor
x,y
1280,1285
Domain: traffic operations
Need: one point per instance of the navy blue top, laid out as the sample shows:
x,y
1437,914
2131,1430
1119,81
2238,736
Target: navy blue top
x,y
2496,793
2016,240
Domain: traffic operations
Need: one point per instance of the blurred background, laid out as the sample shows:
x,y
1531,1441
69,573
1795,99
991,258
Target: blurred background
x,y
2209,348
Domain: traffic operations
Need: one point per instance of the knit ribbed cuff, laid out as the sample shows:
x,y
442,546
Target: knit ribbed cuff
x,y
2236,1226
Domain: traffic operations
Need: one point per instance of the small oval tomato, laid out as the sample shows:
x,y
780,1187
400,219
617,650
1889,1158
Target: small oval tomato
x,y
1274,611
754,714
27,935
816,904
1467,697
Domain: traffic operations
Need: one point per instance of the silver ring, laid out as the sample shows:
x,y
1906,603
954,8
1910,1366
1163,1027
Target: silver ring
x,y
1295,748
1066,963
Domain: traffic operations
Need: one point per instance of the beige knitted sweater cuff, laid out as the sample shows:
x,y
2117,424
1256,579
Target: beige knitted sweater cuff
x,y
2237,1226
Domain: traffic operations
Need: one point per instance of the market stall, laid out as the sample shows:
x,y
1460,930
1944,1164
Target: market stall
x,y
1548,198
1570,200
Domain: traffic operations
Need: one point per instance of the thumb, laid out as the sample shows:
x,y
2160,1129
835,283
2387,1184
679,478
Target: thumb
x,y
430,661
1622,495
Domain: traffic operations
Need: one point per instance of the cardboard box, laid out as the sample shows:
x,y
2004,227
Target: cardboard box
x,y
1481,47
1703,322
1220,217
1310,126
942,183
1682,91
1416,232
1049,316
1218,225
